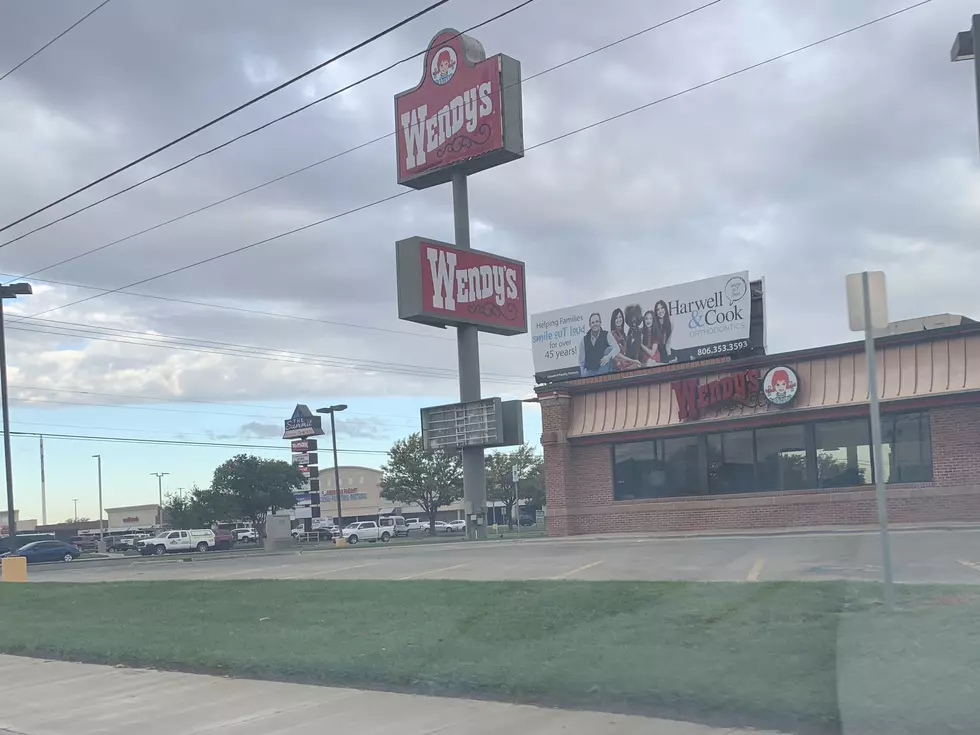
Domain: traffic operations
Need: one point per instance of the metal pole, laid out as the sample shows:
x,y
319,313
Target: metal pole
x,y
75,501
468,352
872,362
101,529
44,495
336,475
976,60
160,495
11,516
517,507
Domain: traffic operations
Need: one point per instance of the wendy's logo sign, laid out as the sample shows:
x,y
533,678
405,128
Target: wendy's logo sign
x,y
441,285
465,114
779,388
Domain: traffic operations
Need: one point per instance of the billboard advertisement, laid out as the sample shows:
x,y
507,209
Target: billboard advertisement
x,y
442,285
464,115
676,324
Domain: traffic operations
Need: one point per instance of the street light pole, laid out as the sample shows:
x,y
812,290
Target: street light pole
x,y
10,291
101,530
965,48
44,495
336,466
75,517
159,476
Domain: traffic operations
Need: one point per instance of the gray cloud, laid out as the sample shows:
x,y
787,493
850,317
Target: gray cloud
x,y
858,153
260,430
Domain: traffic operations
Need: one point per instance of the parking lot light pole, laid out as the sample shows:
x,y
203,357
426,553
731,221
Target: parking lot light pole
x,y
336,467
10,291
159,476
98,457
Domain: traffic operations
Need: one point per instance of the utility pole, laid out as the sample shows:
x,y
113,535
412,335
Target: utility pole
x,y
44,496
159,476
11,291
75,501
101,528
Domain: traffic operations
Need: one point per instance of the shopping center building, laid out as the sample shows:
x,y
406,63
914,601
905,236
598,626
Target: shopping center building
x,y
770,440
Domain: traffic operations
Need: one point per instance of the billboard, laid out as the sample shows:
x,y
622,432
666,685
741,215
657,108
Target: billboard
x,y
302,423
442,285
464,115
676,324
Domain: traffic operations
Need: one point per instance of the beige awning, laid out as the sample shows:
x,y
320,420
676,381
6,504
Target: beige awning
x,y
928,368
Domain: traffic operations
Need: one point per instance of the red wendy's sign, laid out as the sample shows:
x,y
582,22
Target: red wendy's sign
x,y
465,114
442,285
692,398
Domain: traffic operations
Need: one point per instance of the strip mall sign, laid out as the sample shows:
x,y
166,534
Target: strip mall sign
x,y
441,285
465,113
778,387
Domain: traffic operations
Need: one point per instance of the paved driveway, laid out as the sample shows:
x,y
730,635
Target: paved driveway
x,y
920,556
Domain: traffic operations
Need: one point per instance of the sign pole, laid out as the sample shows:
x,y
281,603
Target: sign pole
x,y
468,351
872,361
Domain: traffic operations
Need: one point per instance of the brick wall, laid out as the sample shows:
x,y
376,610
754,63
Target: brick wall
x,y
580,489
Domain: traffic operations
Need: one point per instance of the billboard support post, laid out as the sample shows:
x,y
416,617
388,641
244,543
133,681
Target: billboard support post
x,y
468,351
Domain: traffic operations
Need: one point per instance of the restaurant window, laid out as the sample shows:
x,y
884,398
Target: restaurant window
x,y
781,458
731,463
843,453
906,446
663,468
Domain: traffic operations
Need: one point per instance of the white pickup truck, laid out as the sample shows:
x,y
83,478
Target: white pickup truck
x,y
368,531
194,539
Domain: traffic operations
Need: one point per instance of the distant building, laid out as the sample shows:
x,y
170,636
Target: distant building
x,y
23,524
361,500
132,518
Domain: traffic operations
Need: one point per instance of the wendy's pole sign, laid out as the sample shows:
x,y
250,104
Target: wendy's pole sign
x,y
463,117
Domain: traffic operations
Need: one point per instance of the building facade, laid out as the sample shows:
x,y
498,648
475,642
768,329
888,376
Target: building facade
x,y
360,497
722,445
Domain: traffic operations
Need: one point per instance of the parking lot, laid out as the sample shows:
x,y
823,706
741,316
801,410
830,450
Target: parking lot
x,y
919,556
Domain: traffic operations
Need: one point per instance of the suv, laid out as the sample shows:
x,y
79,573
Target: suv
x,y
415,524
395,524
366,531
200,539
246,535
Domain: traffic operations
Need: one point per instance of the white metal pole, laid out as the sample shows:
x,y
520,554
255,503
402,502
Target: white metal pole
x,y
872,363
44,496
101,527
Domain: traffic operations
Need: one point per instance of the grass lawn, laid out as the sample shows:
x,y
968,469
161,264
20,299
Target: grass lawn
x,y
803,657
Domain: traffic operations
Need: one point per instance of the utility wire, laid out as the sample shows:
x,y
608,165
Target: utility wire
x,y
207,125
167,339
536,145
179,443
220,146
69,28
357,147
259,312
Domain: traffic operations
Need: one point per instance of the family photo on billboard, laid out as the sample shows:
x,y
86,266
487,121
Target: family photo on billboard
x,y
635,339
674,324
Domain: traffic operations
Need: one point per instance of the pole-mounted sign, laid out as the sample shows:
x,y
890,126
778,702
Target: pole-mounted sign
x,y
463,117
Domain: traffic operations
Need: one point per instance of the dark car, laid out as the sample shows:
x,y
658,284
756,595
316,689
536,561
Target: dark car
x,y
23,539
49,551
223,540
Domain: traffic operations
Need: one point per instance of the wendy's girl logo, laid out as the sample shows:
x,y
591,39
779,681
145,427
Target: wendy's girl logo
x,y
780,385
443,65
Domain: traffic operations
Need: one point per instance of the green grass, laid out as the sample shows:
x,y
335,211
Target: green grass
x,y
799,656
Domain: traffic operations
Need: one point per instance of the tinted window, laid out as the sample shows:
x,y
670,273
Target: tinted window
x,y
843,453
731,463
781,458
906,448
175,534
662,468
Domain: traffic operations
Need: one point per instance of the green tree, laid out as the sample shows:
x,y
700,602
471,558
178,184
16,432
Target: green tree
x,y
415,475
180,511
500,477
249,487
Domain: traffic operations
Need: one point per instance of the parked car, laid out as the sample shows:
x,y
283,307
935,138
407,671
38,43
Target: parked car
x,y
223,540
441,527
199,539
85,543
245,535
23,539
416,524
395,524
125,543
457,525
52,550
366,531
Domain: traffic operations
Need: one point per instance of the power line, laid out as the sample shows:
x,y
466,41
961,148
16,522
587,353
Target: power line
x,y
207,125
260,312
358,147
537,145
69,28
260,353
179,443
220,146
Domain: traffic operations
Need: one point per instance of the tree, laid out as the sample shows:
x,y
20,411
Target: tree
x,y
250,487
500,477
415,475
180,511
83,519
201,508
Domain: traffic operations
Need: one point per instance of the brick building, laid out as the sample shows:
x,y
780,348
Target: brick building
x,y
686,447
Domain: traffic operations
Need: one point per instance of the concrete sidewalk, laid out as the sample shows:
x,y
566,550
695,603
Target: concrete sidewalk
x,y
53,697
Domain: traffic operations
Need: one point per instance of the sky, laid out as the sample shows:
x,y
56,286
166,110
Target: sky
x,y
859,153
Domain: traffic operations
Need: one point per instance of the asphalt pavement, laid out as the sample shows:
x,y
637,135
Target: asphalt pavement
x,y
919,556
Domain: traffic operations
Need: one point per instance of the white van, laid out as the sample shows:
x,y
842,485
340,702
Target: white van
x,y
395,524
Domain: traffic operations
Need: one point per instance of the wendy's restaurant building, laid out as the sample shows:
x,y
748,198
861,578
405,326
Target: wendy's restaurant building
x,y
767,441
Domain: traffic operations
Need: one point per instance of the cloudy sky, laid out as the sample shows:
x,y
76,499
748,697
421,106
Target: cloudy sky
x,y
859,153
